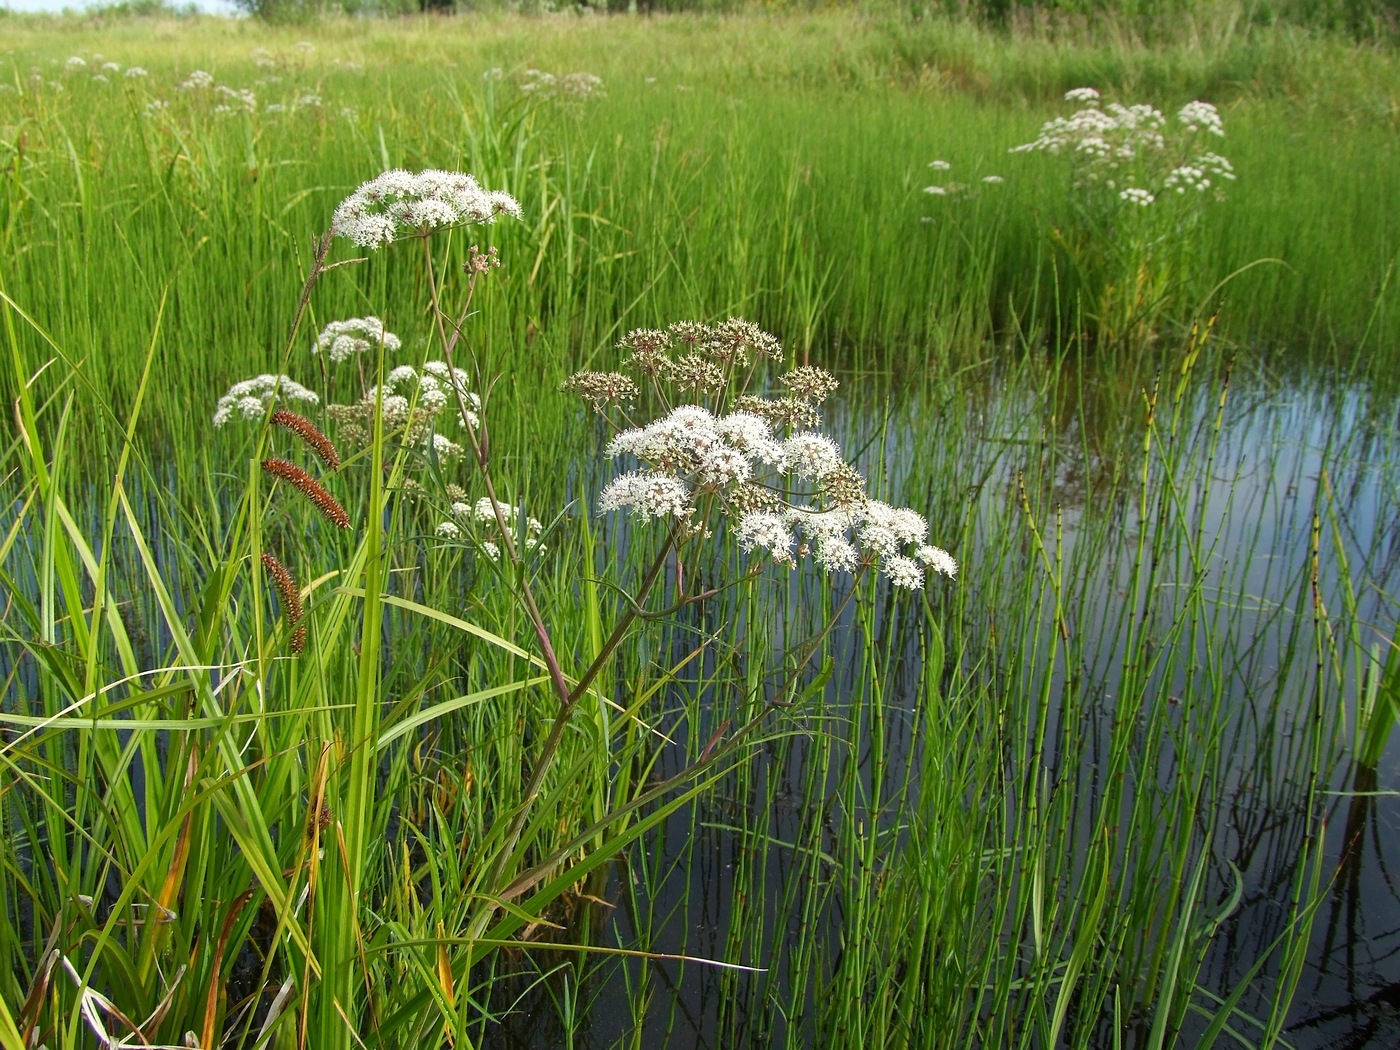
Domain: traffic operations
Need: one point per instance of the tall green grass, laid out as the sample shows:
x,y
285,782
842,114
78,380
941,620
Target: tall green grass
x,y
781,182
994,814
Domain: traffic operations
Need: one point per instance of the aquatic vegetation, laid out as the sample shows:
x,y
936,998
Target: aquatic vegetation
x,y
645,704
1138,187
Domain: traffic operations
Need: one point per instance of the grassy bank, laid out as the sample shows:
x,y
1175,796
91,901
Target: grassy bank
x,y
769,168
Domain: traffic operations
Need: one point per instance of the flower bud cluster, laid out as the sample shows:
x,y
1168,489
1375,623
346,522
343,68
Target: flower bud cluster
x,y
688,350
601,389
399,203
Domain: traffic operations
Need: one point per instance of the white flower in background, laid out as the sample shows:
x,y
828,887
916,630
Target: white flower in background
x,y
429,392
196,80
111,67
937,191
239,98
1118,145
76,62
398,203
341,340
133,72
992,180
443,447
1202,116
940,165
1215,164
473,518
437,376
250,397
576,86
1186,178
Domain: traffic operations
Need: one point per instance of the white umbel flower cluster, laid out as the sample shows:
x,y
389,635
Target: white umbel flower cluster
x,y
474,518
196,80
249,398
1202,116
690,452
648,495
895,539
429,391
399,203
341,340
1134,151
575,86
758,464
1102,137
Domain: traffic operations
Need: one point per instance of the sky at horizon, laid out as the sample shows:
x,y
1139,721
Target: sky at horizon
x,y
213,7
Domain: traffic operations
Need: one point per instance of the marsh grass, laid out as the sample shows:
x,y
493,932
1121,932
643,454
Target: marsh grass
x,y
646,196
1029,811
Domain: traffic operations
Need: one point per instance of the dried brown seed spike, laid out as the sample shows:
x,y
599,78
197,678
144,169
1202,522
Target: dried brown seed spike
x,y
286,586
303,428
323,501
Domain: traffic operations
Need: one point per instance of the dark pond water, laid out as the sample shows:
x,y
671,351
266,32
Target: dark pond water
x,y
1283,455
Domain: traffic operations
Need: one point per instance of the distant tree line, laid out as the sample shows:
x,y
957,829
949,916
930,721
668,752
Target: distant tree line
x,y
1374,19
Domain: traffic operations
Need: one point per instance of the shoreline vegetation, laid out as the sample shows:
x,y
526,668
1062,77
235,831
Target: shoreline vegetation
x,y
865,527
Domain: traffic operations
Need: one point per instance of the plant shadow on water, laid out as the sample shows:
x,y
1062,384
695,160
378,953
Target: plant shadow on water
x,y
1223,597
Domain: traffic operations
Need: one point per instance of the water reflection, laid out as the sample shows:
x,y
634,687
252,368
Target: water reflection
x,y
1281,510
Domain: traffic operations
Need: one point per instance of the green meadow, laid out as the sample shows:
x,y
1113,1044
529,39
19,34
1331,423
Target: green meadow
x,y
453,735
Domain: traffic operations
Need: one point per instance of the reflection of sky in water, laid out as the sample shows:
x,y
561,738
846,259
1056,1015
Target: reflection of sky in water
x,y
1281,457
1251,513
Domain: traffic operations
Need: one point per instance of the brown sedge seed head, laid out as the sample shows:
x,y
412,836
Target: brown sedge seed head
x,y
328,506
311,436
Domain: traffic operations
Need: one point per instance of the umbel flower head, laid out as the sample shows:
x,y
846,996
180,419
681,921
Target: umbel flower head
x,y
1134,150
341,340
401,203
415,400
249,398
758,464
480,517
